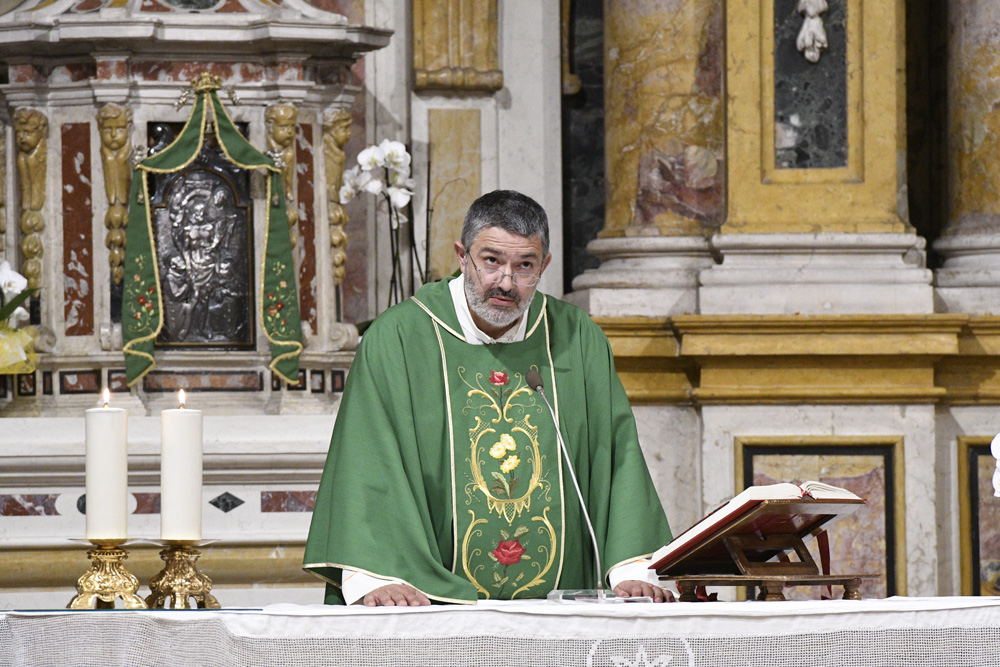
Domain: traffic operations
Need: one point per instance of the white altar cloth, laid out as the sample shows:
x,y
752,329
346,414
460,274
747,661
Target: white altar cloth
x,y
897,632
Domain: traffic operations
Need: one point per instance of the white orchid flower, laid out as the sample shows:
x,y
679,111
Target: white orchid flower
x,y
347,193
11,282
395,154
19,316
399,197
372,185
371,157
401,178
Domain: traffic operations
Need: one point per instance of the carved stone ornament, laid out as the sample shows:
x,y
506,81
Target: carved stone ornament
x,y
455,45
115,125
336,133
282,124
812,36
31,129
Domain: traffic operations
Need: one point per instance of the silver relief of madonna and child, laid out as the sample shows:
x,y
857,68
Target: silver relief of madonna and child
x,y
202,223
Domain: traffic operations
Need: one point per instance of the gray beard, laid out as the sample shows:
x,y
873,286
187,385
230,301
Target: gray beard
x,y
498,317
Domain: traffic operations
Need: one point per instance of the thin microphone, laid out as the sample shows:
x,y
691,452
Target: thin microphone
x,y
534,379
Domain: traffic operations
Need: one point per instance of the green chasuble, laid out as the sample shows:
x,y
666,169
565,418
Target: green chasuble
x,y
444,470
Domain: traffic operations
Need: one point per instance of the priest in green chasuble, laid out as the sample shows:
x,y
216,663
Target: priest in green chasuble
x,y
445,481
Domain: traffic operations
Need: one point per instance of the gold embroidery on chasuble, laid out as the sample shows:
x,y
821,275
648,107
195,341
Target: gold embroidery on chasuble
x,y
507,497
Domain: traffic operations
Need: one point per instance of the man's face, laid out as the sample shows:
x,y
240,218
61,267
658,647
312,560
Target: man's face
x,y
500,304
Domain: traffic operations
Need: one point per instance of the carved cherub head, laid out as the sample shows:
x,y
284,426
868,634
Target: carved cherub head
x,y
30,125
338,125
115,124
281,120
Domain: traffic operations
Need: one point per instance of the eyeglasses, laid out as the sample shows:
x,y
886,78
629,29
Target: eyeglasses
x,y
494,276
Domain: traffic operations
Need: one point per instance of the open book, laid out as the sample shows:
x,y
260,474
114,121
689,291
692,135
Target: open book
x,y
739,506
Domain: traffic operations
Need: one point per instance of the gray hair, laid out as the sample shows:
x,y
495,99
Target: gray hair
x,y
509,210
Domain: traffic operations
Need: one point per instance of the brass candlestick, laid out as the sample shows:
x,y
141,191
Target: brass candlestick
x,y
180,579
107,579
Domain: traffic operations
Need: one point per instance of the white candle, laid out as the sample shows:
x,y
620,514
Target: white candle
x,y
107,472
180,473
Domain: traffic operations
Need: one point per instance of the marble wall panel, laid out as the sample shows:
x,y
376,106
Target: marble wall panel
x,y
306,249
165,381
79,382
185,71
456,181
117,381
146,503
26,384
231,7
810,99
860,543
77,224
287,501
32,504
154,6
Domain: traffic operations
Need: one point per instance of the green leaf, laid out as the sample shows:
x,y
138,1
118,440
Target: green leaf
x,y
8,309
519,577
525,556
503,480
504,580
496,585
492,557
521,530
513,484
505,535
496,577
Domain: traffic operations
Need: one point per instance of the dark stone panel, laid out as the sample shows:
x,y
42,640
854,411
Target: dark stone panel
x,y
810,99
226,502
583,140
336,381
47,383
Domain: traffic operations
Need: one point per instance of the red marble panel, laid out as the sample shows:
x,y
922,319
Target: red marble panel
x,y
25,73
287,71
77,216
72,72
117,381
336,381
232,7
112,69
355,304
287,501
153,6
186,71
26,384
354,10
147,503
79,382
87,6
164,381
307,224
34,504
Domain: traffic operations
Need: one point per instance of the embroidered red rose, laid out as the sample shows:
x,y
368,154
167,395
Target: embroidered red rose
x,y
498,378
509,553
152,290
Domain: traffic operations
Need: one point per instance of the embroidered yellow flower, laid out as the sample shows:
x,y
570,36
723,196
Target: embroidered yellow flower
x,y
497,451
511,463
508,442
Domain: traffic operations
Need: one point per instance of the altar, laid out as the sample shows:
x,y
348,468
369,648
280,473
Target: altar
x,y
896,631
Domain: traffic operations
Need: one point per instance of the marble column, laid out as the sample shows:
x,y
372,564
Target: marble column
x,y
664,143
969,279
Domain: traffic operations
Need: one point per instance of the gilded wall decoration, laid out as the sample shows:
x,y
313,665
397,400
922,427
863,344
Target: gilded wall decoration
x,y
455,45
282,121
31,129
336,133
115,125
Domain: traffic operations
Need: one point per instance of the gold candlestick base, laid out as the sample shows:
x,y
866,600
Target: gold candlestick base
x,y
180,579
107,579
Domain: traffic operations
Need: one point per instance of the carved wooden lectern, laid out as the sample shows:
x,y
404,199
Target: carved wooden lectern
x,y
742,551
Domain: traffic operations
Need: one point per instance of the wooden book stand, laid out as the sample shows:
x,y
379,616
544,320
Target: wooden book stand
x,y
741,552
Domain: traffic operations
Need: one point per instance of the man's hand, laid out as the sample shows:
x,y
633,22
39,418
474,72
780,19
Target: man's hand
x,y
633,588
396,595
